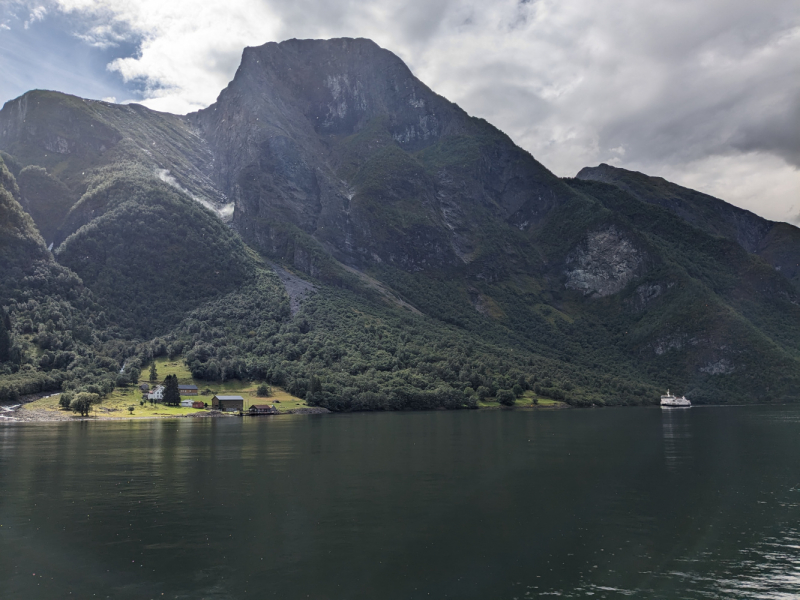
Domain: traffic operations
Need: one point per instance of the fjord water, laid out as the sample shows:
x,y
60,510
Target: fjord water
x,y
701,503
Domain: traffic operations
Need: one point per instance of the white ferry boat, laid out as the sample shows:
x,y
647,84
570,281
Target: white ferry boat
x,y
670,401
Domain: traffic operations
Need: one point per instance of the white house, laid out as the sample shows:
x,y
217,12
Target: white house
x,y
157,393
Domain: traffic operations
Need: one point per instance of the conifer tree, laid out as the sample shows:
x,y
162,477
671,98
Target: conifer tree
x,y
5,337
172,395
153,372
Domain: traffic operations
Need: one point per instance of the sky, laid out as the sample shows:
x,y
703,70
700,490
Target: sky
x,y
705,93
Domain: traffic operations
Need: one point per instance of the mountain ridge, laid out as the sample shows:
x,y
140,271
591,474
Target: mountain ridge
x,y
446,263
754,233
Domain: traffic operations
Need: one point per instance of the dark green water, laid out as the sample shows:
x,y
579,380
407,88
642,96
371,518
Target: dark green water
x,y
702,503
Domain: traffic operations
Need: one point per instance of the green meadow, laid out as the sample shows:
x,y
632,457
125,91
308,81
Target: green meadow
x,y
116,404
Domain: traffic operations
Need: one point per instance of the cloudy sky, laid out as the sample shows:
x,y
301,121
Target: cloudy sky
x,y
705,93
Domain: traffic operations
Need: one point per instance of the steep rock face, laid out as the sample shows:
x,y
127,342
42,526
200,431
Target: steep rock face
x,y
339,139
605,264
778,243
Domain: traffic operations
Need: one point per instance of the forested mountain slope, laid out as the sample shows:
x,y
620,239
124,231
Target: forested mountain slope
x,y
777,243
50,323
443,263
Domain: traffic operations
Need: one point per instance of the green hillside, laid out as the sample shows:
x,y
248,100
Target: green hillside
x,y
149,253
394,253
51,323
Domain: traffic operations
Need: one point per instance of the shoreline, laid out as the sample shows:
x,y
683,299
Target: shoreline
x,y
19,414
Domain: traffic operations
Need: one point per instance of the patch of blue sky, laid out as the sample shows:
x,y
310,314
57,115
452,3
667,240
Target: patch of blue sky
x,y
49,53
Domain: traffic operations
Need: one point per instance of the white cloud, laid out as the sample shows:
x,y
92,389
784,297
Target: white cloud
x,y
38,13
706,92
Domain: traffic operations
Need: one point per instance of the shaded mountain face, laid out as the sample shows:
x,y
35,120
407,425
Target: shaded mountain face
x,y
340,140
443,262
777,243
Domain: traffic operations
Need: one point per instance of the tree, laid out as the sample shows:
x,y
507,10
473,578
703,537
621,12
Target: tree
x,y
65,400
172,395
264,391
506,397
517,389
153,372
82,403
5,337
130,409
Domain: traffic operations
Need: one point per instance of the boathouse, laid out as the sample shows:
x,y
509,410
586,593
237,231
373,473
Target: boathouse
x,y
263,409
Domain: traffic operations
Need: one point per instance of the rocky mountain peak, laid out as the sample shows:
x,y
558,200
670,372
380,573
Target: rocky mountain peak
x,y
340,84
339,139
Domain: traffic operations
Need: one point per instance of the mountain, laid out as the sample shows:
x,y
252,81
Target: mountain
x,y
777,243
340,142
333,226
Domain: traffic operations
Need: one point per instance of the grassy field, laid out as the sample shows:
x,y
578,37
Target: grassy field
x,y
526,401
117,403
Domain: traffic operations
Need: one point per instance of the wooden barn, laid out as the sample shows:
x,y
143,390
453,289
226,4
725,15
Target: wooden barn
x,y
227,403
188,390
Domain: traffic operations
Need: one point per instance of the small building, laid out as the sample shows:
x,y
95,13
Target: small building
x,y
157,393
198,404
228,403
263,409
145,387
186,403
188,390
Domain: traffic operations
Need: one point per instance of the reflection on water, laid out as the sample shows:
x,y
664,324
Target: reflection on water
x,y
587,503
676,430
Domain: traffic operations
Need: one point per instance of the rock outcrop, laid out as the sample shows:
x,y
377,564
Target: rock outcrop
x,y
604,264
